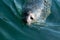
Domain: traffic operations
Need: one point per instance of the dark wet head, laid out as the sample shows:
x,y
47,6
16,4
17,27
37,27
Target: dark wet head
x,y
35,10
30,10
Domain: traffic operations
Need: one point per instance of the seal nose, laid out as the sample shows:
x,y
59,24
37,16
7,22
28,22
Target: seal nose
x,y
30,18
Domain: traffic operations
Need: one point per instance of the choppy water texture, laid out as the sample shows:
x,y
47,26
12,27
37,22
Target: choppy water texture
x,y
12,28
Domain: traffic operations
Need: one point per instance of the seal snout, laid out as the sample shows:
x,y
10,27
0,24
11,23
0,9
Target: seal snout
x,y
29,18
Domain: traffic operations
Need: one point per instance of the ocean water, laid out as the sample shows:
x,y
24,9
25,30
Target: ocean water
x,y
12,28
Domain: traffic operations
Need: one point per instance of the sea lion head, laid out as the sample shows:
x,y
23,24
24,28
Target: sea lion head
x,y
36,11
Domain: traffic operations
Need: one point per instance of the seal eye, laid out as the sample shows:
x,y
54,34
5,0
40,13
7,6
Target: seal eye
x,y
31,18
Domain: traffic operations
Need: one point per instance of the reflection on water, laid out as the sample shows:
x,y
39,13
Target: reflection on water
x,y
12,28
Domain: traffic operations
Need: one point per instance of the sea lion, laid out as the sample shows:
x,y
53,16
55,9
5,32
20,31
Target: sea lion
x,y
36,11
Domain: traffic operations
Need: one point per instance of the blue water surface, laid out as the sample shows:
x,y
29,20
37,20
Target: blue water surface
x,y
12,28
